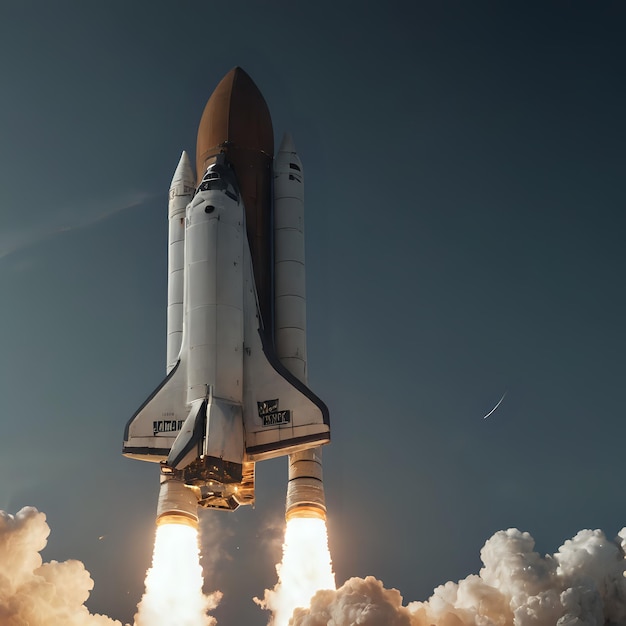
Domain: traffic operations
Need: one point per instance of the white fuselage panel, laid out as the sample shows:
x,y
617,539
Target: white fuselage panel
x,y
214,243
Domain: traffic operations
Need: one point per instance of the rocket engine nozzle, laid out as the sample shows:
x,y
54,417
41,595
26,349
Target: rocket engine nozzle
x,y
305,491
178,504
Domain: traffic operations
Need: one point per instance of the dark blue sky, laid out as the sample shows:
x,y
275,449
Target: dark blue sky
x,y
464,168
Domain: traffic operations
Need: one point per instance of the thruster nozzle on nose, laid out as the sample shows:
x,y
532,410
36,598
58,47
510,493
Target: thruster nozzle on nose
x,y
178,504
305,491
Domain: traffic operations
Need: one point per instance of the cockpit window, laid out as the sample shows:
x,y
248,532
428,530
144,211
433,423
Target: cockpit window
x,y
216,178
209,180
293,166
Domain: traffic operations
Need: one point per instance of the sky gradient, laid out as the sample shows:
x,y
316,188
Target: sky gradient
x,y
464,175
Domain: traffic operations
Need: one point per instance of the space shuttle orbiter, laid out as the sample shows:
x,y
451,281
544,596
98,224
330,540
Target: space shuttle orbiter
x,y
234,391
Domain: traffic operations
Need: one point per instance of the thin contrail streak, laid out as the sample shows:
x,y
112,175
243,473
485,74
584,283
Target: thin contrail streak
x,y
495,407
71,219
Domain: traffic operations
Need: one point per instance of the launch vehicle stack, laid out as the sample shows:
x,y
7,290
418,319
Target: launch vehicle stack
x,y
236,387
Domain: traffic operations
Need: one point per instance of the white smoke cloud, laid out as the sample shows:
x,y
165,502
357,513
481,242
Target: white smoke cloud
x,y
34,593
362,601
582,584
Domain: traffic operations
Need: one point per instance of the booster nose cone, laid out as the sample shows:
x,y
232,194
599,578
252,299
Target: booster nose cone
x,y
182,187
184,171
287,145
178,504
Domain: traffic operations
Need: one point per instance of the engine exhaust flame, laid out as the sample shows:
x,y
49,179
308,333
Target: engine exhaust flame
x,y
582,584
174,594
305,569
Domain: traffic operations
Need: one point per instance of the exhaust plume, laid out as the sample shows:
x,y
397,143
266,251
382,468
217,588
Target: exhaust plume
x,y
305,569
37,593
174,583
582,584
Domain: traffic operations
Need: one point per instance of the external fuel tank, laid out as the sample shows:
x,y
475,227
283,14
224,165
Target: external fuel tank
x,y
236,122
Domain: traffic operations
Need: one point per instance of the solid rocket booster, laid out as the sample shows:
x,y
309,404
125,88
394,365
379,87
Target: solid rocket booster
x,y
289,273
177,504
235,391
182,190
305,489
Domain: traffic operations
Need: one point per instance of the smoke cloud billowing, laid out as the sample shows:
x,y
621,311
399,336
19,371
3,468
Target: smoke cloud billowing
x,y
582,584
34,593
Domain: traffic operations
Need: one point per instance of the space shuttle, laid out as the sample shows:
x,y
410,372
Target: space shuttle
x,y
236,388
